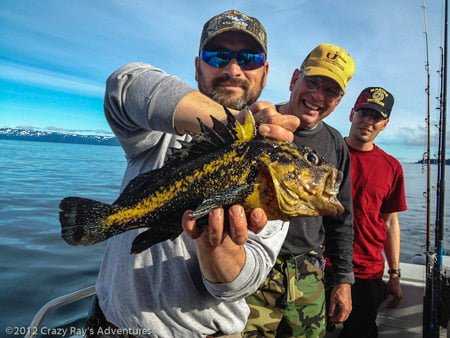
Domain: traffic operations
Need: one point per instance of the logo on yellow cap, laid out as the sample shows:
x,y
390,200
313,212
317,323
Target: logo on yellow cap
x,y
330,61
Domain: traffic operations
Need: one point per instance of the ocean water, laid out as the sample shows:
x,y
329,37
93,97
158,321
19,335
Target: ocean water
x,y
37,265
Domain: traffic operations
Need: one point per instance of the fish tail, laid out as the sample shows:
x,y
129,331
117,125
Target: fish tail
x,y
80,220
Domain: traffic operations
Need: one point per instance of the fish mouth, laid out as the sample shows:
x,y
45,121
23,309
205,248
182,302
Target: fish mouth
x,y
332,185
307,194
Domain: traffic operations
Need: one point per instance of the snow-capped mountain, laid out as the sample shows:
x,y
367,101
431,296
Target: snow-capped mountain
x,y
51,136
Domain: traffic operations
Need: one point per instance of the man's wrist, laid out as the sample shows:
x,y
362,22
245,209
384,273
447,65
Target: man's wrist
x,y
395,272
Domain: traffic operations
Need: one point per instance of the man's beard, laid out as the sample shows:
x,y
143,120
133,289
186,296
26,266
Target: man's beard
x,y
222,96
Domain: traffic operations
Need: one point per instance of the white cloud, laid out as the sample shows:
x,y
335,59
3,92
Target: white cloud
x,y
42,78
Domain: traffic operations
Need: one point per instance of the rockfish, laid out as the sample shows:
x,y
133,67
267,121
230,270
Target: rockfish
x,y
223,165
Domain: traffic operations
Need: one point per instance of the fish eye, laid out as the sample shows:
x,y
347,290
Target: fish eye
x,y
312,158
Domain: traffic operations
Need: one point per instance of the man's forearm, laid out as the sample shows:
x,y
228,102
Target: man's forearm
x,y
392,243
195,106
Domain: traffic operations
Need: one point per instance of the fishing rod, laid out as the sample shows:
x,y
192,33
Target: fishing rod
x,y
427,155
433,317
440,214
431,326
428,294
438,274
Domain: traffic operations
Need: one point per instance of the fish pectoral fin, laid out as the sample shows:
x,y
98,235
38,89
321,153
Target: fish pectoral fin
x,y
152,236
229,196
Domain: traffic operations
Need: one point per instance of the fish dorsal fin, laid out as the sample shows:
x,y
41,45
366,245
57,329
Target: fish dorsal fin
x,y
218,136
247,131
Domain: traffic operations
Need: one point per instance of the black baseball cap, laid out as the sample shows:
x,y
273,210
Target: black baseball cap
x,y
375,98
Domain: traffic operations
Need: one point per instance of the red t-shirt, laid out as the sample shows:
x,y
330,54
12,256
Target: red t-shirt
x,y
377,187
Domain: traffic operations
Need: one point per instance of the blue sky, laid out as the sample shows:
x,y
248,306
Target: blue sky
x,y
56,54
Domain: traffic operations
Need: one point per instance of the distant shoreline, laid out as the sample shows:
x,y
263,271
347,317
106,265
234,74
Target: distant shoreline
x,y
433,161
55,137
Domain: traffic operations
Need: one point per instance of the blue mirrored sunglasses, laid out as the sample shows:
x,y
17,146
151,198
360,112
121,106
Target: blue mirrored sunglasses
x,y
220,58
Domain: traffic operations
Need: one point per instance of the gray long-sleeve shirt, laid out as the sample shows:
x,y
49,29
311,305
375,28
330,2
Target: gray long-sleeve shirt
x,y
162,289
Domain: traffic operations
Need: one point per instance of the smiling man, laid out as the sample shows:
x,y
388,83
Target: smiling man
x,y
291,302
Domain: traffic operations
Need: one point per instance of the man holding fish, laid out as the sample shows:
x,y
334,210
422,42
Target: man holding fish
x,y
186,288
195,284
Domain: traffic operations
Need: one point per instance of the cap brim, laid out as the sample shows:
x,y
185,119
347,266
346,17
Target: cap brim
x,y
320,71
375,107
229,29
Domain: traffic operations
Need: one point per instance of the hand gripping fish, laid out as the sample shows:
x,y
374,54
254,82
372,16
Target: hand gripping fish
x,y
223,165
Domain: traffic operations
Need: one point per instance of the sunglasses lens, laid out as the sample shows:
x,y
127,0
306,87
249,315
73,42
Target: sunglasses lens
x,y
249,61
220,59
216,59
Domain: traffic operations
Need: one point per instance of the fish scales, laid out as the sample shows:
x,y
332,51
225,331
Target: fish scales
x,y
224,165
190,184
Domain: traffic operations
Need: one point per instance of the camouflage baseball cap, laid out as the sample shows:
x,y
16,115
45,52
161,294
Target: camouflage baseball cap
x,y
233,20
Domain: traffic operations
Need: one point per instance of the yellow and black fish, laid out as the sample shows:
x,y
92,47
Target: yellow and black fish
x,y
223,165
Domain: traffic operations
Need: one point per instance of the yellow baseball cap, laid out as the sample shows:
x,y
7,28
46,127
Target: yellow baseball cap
x,y
331,61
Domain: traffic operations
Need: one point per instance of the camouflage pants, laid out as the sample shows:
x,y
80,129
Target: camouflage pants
x,y
291,302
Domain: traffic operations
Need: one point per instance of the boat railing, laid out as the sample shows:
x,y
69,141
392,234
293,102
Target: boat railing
x,y
69,298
